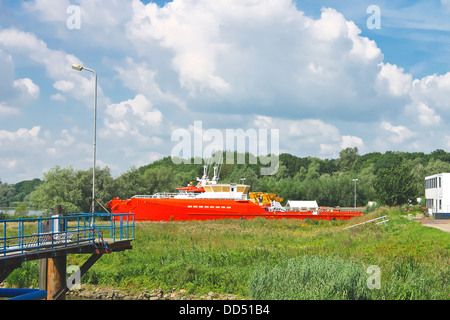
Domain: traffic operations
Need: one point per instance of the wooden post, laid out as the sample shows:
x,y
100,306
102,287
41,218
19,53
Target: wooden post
x,y
56,277
56,271
43,274
46,227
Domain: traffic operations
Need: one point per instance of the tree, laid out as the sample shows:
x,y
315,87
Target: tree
x,y
243,172
72,189
24,188
6,193
388,161
396,185
58,187
129,184
21,210
348,159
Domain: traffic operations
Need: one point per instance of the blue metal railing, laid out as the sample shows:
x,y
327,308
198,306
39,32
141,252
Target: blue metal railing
x,y
18,236
121,226
23,294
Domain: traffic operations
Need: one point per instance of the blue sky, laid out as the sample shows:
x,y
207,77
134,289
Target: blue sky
x,y
311,69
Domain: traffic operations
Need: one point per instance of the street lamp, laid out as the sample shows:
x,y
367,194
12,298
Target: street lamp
x,y
79,68
354,180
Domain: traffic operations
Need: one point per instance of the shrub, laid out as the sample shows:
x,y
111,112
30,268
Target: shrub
x,y
24,277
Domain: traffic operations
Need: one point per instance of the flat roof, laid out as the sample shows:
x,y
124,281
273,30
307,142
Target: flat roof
x,y
437,174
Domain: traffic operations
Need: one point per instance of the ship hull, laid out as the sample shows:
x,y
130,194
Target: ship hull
x,y
156,209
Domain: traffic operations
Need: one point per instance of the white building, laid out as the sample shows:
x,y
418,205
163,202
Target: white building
x,y
437,194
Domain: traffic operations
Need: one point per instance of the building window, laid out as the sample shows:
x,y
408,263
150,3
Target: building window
x,y
439,182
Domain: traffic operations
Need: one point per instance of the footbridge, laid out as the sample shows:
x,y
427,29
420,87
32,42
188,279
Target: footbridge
x,y
51,239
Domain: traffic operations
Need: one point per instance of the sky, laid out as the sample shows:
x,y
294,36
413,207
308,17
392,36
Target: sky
x,y
320,76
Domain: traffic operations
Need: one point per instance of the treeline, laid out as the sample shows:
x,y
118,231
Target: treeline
x,y
392,178
11,194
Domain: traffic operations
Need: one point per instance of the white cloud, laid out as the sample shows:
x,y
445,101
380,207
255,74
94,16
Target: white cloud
x,y
48,10
140,78
351,142
14,92
308,136
397,134
258,54
68,139
432,90
6,110
391,78
132,118
332,149
424,114
64,85
30,151
27,87
191,32
20,135
8,163
21,145
100,21
58,97
57,63
230,63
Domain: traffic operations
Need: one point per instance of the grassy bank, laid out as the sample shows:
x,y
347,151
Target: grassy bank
x,y
277,259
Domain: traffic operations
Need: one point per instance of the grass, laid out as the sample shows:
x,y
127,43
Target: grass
x,y
279,259
310,277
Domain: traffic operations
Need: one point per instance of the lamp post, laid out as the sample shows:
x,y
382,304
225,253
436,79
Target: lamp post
x,y
79,68
354,180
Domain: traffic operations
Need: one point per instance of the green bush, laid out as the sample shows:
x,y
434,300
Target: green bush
x,y
26,276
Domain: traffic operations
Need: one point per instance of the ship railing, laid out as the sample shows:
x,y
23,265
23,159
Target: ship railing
x,y
340,209
302,208
324,209
164,195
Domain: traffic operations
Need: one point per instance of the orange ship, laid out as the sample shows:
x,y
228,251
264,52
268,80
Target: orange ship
x,y
209,200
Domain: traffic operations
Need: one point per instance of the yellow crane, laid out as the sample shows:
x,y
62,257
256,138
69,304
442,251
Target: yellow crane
x,y
263,198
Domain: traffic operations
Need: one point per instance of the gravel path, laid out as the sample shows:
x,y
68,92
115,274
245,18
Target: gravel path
x,y
439,224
